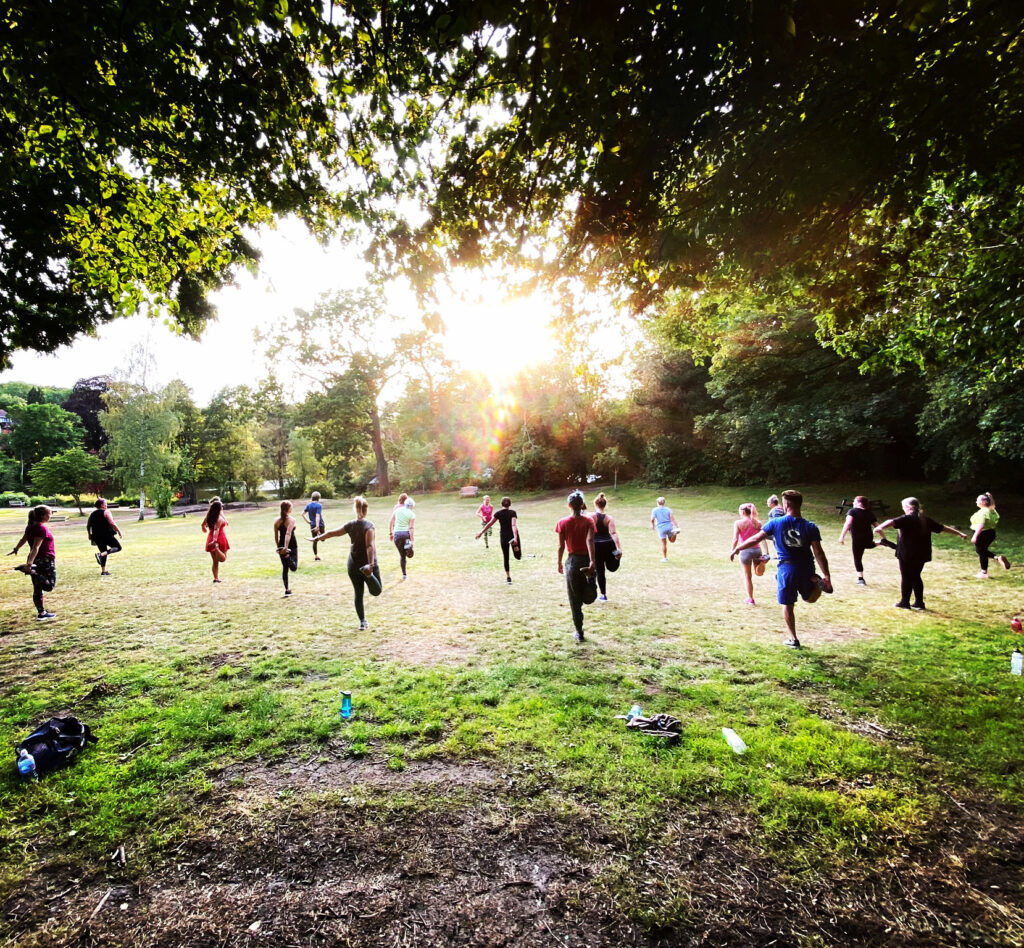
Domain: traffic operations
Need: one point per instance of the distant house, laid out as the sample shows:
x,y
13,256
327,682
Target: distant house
x,y
6,424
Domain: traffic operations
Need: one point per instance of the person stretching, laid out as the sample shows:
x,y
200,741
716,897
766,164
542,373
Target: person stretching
x,y
287,545
484,512
401,530
914,548
103,533
576,533
607,548
217,539
508,534
362,557
41,564
983,522
798,542
313,514
860,524
744,529
664,521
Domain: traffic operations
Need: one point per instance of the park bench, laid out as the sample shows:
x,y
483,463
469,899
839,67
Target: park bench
x,y
15,503
878,507
469,491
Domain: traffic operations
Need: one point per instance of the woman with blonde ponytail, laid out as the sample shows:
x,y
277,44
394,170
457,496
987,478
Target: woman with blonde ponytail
x,y
362,557
983,522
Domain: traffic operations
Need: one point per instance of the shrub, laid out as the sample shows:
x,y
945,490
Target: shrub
x,y
326,490
7,496
163,497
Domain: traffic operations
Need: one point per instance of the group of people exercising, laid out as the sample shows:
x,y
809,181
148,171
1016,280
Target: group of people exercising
x,y
588,546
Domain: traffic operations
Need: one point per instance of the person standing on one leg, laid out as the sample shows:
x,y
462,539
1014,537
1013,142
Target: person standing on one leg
x,y
743,529
362,557
914,549
313,514
576,533
287,545
401,530
607,547
664,521
798,542
508,533
484,512
215,528
103,533
983,523
860,524
41,564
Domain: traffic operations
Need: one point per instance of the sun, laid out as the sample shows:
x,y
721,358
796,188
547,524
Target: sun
x,y
489,330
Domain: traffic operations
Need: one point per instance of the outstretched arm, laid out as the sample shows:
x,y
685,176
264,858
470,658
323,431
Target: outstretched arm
x,y
748,543
487,526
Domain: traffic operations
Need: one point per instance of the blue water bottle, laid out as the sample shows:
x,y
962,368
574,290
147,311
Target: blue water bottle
x,y
346,705
26,764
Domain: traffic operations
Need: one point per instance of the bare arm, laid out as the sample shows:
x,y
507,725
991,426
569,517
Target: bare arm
x,y
955,532
371,551
748,543
487,526
882,527
515,528
339,532
819,555
561,551
591,552
614,534
113,523
846,529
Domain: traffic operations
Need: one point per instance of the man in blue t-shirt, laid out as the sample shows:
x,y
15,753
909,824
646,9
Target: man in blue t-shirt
x,y
798,543
313,514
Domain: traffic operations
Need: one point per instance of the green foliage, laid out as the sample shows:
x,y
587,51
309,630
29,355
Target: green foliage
x,y
8,495
140,425
72,472
42,430
138,149
163,499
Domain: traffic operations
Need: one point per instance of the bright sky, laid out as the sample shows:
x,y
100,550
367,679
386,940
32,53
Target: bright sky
x,y
485,329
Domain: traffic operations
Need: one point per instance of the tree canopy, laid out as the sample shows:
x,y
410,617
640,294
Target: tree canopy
x,y
138,140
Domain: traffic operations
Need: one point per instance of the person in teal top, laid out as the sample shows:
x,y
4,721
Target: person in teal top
x,y
983,523
402,529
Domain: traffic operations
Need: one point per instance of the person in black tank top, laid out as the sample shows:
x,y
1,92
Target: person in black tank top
x,y
362,557
607,546
287,545
103,533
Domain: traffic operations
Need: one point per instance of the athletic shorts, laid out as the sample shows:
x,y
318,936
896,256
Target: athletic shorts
x,y
750,556
317,530
794,580
665,530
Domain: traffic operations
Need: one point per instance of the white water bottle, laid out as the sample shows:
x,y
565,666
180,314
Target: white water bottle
x,y
1017,662
733,740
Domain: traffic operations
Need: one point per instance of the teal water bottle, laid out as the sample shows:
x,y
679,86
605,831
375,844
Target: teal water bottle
x,y
346,705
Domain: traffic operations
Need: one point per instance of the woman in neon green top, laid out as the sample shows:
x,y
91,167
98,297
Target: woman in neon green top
x,y
983,522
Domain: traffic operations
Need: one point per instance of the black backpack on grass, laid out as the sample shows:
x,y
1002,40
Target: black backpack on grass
x,y
56,742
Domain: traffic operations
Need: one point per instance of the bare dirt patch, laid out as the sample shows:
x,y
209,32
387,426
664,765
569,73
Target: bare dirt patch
x,y
486,872
328,772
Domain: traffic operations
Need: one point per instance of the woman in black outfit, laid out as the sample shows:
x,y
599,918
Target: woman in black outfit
x,y
606,544
287,545
362,557
860,524
509,535
914,548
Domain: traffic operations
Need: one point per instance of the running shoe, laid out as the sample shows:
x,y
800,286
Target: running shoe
x,y
99,559
903,605
578,636
860,581
372,583
919,606
46,615
1002,559
363,625
602,598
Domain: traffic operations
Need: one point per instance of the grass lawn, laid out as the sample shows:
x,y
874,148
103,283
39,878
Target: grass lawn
x,y
484,792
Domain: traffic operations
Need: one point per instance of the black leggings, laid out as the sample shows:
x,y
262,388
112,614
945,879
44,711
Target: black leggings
x,y
506,542
911,583
983,546
579,587
859,547
400,540
107,548
289,563
605,560
44,579
359,583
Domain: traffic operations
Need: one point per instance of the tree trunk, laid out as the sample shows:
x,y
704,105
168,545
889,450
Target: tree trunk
x,y
383,482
